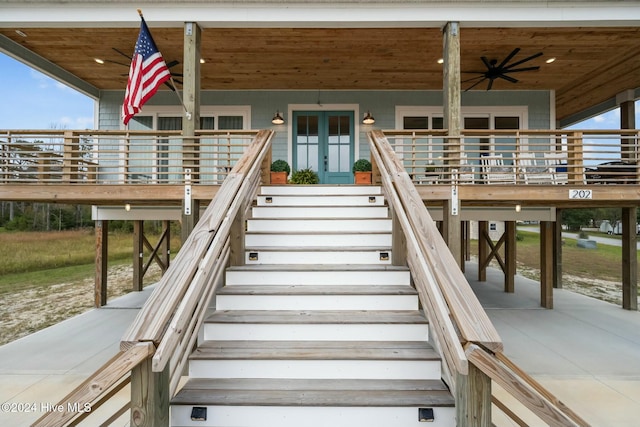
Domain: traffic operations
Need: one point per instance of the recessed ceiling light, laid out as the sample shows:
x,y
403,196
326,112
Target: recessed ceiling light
x,y
21,33
202,61
440,61
550,60
99,61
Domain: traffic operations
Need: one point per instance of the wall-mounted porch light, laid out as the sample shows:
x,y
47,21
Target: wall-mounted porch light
x,y
277,119
368,119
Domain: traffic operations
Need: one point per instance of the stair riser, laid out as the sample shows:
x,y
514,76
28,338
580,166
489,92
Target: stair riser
x,y
314,278
311,416
317,302
320,212
315,332
316,369
317,240
319,225
320,190
320,201
318,257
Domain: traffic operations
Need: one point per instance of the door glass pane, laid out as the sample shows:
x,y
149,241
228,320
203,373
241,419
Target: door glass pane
x,y
507,146
307,142
339,138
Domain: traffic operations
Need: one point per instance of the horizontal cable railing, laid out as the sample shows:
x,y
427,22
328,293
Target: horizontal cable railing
x,y
542,157
461,328
163,334
119,157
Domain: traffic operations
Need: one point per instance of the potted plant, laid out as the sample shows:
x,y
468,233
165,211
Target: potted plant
x,y
279,172
362,171
304,176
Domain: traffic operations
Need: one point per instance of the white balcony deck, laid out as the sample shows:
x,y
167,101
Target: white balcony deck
x,y
584,351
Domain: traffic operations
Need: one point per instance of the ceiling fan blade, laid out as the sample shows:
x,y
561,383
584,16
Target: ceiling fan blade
x,y
508,78
522,61
473,78
513,53
121,53
475,84
490,85
517,70
116,62
487,63
172,63
177,75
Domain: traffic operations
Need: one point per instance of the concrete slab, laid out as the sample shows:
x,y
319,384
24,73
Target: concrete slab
x,y
585,351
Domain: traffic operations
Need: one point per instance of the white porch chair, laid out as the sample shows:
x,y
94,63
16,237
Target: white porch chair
x,y
557,164
466,171
495,171
533,172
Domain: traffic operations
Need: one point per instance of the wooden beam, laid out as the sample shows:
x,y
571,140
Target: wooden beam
x,y
191,122
546,264
165,248
629,259
510,257
102,261
149,396
557,250
473,399
138,255
398,241
483,249
452,122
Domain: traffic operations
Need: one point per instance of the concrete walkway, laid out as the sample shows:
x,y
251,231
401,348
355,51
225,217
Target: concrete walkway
x,y
585,351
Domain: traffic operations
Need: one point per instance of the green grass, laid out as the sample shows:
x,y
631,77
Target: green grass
x,y
37,259
605,262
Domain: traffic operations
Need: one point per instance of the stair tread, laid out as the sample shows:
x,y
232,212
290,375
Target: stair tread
x,y
317,290
315,267
317,248
307,392
315,350
318,317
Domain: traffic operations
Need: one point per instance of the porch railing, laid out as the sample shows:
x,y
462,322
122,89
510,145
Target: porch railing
x,y
156,347
543,157
119,157
460,327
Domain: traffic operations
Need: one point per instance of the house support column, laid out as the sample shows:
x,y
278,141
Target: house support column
x,y
102,258
627,121
138,255
629,259
452,121
510,257
483,249
557,250
473,399
149,396
191,122
546,264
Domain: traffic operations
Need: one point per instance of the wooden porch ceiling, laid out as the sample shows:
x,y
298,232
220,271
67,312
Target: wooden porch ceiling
x,y
592,64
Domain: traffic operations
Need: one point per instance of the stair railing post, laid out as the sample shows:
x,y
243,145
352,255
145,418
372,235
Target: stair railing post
x,y
473,399
149,396
398,241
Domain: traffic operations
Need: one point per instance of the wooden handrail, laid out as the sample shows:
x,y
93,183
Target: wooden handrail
x,y
471,319
446,295
167,325
91,390
527,391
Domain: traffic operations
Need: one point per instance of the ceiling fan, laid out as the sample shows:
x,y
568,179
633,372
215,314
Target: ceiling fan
x,y
500,71
169,65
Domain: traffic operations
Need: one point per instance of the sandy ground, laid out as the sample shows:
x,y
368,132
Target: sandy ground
x,y
20,316
26,312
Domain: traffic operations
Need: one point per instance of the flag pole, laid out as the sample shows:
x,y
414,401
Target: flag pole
x,y
173,83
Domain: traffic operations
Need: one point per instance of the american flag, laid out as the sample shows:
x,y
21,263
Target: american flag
x,y
148,71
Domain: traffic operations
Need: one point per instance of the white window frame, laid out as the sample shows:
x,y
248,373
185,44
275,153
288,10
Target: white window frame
x,y
156,111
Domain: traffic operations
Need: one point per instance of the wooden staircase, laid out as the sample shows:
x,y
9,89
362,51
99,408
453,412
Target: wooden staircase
x,y
318,328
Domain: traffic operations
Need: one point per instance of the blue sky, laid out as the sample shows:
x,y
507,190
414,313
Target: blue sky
x,y
32,100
